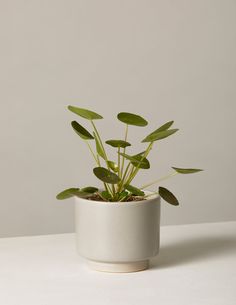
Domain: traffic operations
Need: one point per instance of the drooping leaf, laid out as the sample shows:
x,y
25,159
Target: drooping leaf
x,y
154,136
168,196
99,148
68,193
187,170
118,143
113,166
163,127
134,190
132,119
86,191
137,160
84,113
89,189
105,175
81,131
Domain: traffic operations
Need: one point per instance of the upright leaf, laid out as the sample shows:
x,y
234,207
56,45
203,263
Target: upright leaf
x,y
84,113
81,131
163,127
99,148
187,170
105,175
154,136
118,143
132,119
168,196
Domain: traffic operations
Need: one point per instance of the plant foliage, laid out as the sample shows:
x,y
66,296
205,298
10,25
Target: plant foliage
x,y
117,175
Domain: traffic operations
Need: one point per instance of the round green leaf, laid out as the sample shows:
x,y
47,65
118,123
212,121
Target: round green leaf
x,y
84,113
81,131
168,196
105,175
118,143
113,166
86,192
187,170
68,193
137,160
89,189
134,190
154,136
132,119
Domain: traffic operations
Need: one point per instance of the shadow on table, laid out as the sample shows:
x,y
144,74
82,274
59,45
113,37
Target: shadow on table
x,y
192,250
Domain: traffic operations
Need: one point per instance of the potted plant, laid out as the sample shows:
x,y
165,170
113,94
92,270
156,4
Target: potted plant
x,y
118,224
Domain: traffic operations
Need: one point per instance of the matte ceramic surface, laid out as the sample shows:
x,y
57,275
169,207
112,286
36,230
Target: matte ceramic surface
x,y
118,233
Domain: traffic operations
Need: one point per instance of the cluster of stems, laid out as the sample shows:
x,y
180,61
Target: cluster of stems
x,y
126,173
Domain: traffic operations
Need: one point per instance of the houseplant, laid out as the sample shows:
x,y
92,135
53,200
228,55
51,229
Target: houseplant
x,y
117,225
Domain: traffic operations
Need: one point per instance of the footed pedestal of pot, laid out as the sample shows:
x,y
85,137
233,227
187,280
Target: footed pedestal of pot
x,y
119,267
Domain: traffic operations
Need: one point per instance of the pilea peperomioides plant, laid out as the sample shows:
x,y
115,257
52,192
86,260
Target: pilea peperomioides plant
x,y
117,176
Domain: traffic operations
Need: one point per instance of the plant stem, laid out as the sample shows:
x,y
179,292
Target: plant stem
x,y
97,160
119,172
122,182
138,167
123,158
91,150
158,180
101,144
149,195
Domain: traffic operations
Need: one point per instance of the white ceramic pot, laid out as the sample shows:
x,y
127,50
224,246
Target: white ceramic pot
x,y
118,237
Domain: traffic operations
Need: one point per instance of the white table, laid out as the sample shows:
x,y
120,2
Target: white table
x,y
196,265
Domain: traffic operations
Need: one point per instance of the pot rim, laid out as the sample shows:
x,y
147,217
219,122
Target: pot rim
x,y
123,203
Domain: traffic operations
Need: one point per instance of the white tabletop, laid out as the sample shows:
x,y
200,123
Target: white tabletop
x,y
196,265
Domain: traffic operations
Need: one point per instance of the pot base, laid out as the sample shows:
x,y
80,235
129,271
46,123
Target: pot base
x,y
119,267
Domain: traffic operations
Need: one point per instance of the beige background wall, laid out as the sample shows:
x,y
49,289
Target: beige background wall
x,y
163,59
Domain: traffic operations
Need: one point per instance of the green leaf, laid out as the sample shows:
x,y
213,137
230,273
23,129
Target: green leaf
x,y
68,193
118,143
137,160
164,127
134,190
154,136
132,119
144,162
187,170
105,175
122,195
168,196
113,166
99,148
89,189
105,195
84,113
81,131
